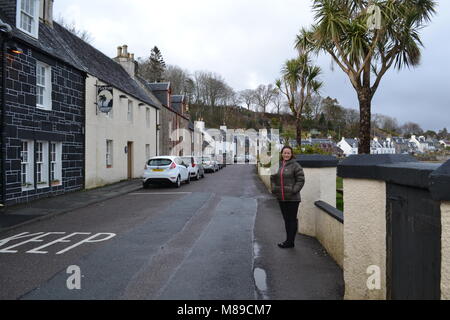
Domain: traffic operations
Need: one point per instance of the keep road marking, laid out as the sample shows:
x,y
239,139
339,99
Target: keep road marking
x,y
87,237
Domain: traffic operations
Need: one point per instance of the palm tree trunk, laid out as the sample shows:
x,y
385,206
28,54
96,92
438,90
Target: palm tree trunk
x,y
298,124
365,103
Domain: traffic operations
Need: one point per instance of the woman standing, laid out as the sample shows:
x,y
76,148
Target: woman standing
x,y
286,186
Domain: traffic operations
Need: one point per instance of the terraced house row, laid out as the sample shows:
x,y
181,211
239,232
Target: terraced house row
x,y
73,118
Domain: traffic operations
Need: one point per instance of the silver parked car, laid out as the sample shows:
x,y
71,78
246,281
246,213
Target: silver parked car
x,y
209,164
195,167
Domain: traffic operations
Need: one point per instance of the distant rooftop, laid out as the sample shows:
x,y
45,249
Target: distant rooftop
x,y
159,86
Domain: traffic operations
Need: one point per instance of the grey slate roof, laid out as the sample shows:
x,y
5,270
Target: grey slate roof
x,y
99,65
63,45
177,98
160,95
176,101
352,142
318,141
399,140
159,86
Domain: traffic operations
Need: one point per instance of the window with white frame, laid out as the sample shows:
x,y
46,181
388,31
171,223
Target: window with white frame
x,y
55,163
147,117
147,152
109,153
27,16
27,160
130,110
42,164
43,86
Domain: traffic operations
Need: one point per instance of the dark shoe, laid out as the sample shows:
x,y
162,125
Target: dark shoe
x,y
285,245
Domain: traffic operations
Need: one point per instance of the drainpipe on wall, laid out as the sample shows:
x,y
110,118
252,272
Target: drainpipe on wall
x,y
5,32
157,130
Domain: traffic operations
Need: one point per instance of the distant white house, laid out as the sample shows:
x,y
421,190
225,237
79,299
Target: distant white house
x,y
445,143
382,146
377,146
349,146
422,144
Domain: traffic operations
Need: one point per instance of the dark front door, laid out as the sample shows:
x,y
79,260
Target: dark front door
x,y
413,244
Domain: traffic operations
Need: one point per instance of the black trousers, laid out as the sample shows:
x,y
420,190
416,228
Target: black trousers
x,y
289,210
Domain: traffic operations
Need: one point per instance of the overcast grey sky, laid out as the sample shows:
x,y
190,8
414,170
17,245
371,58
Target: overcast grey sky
x,y
247,41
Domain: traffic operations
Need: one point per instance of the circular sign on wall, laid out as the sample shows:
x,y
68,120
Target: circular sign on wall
x,y
104,98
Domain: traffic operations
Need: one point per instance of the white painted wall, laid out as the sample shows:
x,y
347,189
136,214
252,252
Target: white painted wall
x,y
320,184
330,233
264,174
445,249
100,127
364,237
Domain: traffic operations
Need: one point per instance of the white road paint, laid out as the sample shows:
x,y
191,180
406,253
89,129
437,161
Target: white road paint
x,y
37,237
89,240
34,239
17,236
170,193
63,239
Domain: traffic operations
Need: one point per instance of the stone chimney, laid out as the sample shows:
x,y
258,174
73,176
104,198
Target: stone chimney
x,y
46,12
200,125
126,60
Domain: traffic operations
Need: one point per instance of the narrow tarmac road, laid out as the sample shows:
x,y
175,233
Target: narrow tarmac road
x,y
211,239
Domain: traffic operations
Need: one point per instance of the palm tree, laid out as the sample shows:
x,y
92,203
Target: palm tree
x,y
365,38
298,83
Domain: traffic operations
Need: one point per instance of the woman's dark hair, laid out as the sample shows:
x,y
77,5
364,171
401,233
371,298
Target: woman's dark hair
x,y
287,147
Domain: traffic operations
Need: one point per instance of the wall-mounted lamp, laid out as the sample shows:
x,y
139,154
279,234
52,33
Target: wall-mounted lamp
x,y
14,49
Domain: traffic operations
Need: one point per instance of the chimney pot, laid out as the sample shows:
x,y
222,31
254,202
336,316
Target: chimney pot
x,y
46,12
125,50
119,51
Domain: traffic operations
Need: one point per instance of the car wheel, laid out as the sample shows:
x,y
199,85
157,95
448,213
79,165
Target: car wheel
x,y
188,179
178,182
197,177
144,185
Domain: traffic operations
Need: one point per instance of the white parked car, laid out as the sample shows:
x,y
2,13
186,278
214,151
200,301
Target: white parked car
x,y
166,169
